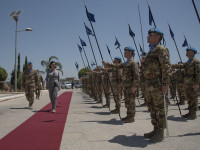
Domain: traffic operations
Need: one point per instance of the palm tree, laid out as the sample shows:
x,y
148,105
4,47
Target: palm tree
x,y
45,64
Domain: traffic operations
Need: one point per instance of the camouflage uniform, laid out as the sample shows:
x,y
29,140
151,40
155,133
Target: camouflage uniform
x,y
30,80
142,83
179,74
130,78
39,87
107,88
99,87
156,73
117,87
172,86
191,78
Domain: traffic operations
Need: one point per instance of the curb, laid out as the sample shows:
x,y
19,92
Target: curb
x,y
15,95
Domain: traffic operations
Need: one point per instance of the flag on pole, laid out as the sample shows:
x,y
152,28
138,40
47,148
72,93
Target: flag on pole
x,y
80,48
77,66
117,43
150,16
108,49
88,31
90,16
185,43
83,42
171,32
131,33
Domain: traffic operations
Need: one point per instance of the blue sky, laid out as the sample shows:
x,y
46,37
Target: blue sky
x,y
57,24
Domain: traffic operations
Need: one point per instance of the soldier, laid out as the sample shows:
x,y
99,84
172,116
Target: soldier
x,y
130,81
142,80
156,73
29,83
106,85
41,86
191,81
116,83
179,74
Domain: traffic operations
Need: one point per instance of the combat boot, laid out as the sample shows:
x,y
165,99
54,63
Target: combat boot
x,y
186,115
158,137
105,106
123,119
150,134
144,104
115,111
129,120
192,115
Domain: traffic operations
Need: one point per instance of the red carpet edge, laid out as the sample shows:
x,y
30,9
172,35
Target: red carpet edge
x,y
42,131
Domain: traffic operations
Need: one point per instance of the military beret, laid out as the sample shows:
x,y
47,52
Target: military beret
x,y
155,30
28,63
129,48
117,57
192,49
101,66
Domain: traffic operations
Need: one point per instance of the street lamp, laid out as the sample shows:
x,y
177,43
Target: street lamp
x,y
15,15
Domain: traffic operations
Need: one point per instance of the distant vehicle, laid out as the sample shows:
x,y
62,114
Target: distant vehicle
x,y
78,85
66,85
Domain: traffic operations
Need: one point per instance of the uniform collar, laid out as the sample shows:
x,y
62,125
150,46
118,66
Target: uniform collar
x,y
151,47
189,60
127,61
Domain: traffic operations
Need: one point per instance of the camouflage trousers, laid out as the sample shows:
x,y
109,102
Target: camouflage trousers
x,y
155,104
130,101
37,92
99,92
181,92
172,87
29,91
117,93
107,93
192,97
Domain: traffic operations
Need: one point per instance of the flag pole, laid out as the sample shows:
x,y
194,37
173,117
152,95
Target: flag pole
x,y
81,57
141,26
85,54
91,47
120,51
102,60
196,10
109,54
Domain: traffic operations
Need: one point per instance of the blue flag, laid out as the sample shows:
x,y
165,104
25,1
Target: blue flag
x,y
88,31
131,32
92,63
141,50
77,66
90,16
80,49
117,43
108,49
150,16
185,43
171,32
83,42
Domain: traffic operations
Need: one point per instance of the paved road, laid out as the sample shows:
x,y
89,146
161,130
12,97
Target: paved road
x,y
89,126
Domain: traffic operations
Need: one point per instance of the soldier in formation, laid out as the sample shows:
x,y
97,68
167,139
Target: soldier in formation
x,y
29,83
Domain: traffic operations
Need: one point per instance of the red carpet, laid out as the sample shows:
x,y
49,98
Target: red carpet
x,y
42,131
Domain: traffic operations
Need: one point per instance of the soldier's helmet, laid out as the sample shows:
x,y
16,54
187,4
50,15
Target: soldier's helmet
x,y
117,57
192,49
156,30
129,48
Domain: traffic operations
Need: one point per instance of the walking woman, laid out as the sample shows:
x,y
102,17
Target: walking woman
x,y
52,84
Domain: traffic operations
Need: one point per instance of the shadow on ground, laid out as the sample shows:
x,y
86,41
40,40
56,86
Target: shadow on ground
x,y
109,122
20,108
180,119
131,141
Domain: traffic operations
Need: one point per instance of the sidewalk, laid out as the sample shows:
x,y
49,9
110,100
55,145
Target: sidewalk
x,y
91,127
12,95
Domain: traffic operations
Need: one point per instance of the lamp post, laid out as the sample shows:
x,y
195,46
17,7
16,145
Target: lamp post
x,y
15,15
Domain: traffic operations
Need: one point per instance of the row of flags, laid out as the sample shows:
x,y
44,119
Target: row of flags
x,y
89,32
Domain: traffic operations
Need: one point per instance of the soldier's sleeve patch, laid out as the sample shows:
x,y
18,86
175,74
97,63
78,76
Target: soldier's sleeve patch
x,y
166,57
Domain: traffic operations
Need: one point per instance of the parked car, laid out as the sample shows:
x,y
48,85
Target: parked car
x,y
66,85
78,85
